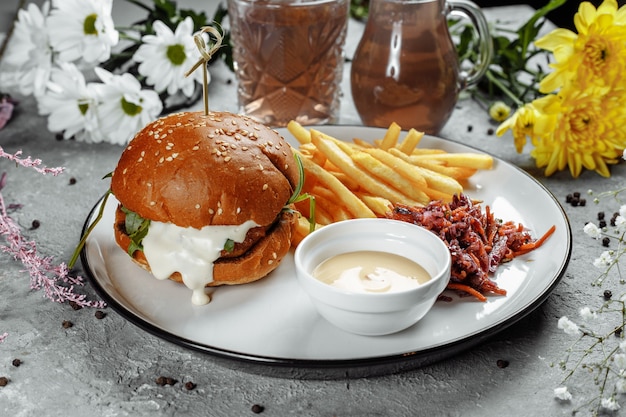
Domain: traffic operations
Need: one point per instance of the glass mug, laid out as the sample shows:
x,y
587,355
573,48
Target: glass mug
x,y
405,68
288,57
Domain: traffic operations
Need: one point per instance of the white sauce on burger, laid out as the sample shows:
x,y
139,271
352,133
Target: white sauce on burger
x,y
190,252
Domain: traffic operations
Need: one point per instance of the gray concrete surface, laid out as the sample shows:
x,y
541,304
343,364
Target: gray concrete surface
x,y
108,367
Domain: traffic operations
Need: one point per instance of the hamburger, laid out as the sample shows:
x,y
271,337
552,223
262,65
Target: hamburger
x,y
203,199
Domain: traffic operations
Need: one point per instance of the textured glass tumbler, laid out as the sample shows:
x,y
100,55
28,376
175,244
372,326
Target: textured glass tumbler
x,y
288,58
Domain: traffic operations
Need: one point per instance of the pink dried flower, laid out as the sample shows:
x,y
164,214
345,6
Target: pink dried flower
x,y
28,162
55,280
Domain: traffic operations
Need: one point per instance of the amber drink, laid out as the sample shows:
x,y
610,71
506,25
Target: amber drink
x,y
289,58
406,69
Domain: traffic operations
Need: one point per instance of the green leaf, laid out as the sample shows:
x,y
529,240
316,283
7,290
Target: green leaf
x,y
229,246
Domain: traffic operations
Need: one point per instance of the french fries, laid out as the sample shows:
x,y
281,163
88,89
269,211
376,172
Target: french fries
x,y
362,179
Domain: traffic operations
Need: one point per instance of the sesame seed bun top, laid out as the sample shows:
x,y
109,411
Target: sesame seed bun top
x,y
194,170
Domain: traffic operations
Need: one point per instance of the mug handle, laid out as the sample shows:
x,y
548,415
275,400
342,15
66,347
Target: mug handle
x,y
469,10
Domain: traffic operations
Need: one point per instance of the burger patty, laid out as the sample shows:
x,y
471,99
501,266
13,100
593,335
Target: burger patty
x,y
252,237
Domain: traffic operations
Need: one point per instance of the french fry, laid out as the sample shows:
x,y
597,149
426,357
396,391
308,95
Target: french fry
x,y
299,132
354,205
379,205
362,143
435,180
458,173
391,136
347,181
411,140
465,160
302,229
391,177
399,164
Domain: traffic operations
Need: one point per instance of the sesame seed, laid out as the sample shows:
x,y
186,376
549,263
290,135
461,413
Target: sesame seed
x,y
175,154
241,168
227,159
211,211
195,148
197,206
265,187
169,159
274,255
238,210
245,148
152,203
271,261
219,211
260,167
161,159
149,184
124,171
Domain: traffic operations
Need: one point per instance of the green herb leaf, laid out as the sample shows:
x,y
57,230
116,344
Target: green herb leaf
x,y
229,246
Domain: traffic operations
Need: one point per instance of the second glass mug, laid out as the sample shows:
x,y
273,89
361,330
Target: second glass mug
x,y
405,68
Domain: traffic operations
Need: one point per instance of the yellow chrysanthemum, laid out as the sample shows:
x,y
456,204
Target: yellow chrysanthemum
x,y
522,125
588,132
596,55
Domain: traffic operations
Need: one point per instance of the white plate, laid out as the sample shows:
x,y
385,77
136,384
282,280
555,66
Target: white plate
x,y
272,321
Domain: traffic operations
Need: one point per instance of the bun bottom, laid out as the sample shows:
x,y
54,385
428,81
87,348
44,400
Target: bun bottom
x,y
256,263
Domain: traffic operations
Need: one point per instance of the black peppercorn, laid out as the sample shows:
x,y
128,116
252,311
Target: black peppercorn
x,y
75,305
189,385
501,363
3,381
67,324
257,409
606,241
100,314
607,294
16,362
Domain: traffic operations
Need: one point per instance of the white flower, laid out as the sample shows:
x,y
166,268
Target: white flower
x,y
82,29
165,57
605,259
562,394
124,107
587,314
620,223
70,104
568,326
592,230
28,58
609,404
620,360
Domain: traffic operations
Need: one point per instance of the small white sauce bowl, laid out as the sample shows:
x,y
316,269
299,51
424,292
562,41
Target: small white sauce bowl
x,y
373,314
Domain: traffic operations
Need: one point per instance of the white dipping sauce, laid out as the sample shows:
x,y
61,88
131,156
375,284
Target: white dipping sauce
x,y
371,272
190,252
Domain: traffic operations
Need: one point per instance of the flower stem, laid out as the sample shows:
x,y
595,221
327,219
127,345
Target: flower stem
x,y
504,89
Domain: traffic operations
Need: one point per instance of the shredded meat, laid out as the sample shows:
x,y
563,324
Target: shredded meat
x,y
478,242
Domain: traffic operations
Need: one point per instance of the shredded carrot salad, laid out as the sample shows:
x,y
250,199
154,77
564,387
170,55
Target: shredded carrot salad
x,y
478,242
